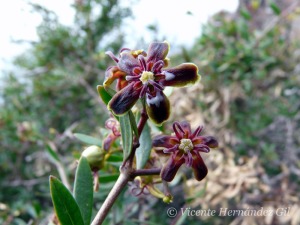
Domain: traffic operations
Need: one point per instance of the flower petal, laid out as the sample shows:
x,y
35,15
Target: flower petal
x,y
179,76
162,141
187,128
113,73
199,168
123,100
157,51
170,169
158,107
128,62
210,141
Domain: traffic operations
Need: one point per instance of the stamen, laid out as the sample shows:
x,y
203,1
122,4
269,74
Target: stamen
x,y
132,78
146,76
137,71
143,91
142,62
170,150
158,77
202,148
186,145
158,66
188,159
156,85
111,55
125,49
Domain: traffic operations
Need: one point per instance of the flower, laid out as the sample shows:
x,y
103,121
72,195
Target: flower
x,y
113,125
146,185
142,75
184,147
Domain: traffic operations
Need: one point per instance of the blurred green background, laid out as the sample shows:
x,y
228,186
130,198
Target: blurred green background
x,y
248,98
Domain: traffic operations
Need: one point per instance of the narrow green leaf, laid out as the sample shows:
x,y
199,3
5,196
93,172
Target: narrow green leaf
x,y
88,139
126,132
83,189
143,152
275,8
108,178
110,91
182,218
65,206
104,95
51,152
245,14
133,124
115,158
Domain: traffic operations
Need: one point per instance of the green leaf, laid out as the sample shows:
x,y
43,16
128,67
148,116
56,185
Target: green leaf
x,y
65,206
115,158
104,95
51,152
245,14
143,152
108,178
133,123
110,91
275,8
126,131
182,219
88,139
83,189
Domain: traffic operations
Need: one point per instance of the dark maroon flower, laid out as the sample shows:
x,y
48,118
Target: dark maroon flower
x,y
142,75
184,147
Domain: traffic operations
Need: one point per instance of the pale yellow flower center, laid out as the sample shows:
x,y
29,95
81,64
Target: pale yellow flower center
x,y
186,145
146,75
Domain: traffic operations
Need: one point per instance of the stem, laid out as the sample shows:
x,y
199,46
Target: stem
x,y
141,124
127,174
111,198
145,172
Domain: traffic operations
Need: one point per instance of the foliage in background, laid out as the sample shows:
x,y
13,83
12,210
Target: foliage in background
x,y
250,98
52,94
257,68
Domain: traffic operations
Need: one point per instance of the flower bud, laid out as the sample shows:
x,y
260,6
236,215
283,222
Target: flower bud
x,y
94,156
168,199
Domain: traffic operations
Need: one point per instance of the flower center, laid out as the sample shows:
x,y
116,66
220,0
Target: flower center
x,y
186,145
146,75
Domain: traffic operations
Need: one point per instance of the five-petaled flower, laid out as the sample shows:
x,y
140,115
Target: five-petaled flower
x,y
184,147
140,75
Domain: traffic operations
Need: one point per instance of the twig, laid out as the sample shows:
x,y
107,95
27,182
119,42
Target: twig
x,y
111,198
127,174
145,172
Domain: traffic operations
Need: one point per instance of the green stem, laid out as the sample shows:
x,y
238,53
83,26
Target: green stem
x,y
127,174
145,172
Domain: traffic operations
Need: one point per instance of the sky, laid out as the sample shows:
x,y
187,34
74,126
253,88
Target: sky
x,y
179,20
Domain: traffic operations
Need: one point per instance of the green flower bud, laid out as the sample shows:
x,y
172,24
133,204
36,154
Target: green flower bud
x,y
168,199
94,156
